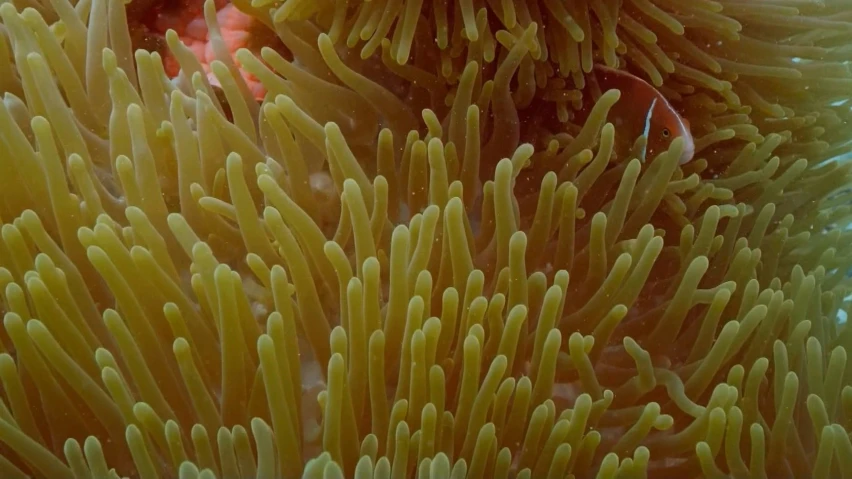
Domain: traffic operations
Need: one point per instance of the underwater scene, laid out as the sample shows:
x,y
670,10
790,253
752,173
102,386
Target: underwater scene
x,y
425,239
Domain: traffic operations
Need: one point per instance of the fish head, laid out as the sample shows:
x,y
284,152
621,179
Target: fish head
x,y
657,119
663,125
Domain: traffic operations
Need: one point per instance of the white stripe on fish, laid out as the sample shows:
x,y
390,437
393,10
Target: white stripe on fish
x,y
647,130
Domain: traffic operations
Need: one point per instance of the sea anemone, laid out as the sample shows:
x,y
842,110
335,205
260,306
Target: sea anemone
x,y
417,258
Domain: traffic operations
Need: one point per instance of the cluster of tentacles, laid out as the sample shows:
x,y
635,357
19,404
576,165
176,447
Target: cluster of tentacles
x,y
384,246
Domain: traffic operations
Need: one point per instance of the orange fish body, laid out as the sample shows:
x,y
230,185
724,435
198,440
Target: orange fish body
x,y
643,109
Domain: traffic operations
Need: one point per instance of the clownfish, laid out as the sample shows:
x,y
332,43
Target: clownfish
x,y
643,110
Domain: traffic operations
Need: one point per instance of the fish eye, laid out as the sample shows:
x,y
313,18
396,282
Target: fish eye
x,y
666,133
